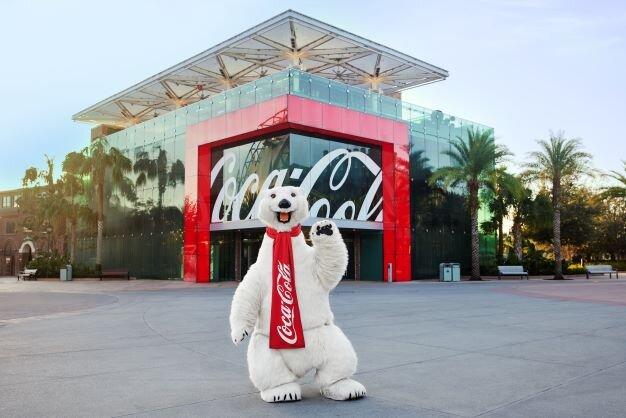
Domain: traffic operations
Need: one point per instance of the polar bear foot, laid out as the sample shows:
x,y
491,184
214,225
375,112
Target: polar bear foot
x,y
343,390
288,392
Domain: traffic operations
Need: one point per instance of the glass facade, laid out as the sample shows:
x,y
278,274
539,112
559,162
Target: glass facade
x,y
145,234
340,179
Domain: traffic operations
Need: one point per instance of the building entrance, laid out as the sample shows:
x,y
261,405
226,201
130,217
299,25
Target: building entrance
x,y
233,252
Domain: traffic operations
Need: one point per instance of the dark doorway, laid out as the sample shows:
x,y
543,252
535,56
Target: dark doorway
x,y
250,244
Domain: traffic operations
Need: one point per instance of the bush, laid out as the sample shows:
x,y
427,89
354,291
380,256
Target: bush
x,y
575,269
48,264
83,270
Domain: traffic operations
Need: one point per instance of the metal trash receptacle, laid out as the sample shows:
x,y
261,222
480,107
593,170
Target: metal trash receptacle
x,y
456,272
69,272
63,275
445,272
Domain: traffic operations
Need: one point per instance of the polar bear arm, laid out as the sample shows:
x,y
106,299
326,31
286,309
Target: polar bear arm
x,y
246,305
330,254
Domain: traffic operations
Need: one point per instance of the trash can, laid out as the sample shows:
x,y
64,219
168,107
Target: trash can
x,y
63,276
456,272
445,272
69,272
450,272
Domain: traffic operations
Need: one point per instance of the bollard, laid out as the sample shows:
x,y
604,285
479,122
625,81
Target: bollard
x,y
389,273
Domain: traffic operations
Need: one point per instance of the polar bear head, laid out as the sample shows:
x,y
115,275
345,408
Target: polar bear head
x,y
282,208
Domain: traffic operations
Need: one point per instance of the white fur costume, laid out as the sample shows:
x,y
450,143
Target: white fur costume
x,y
318,269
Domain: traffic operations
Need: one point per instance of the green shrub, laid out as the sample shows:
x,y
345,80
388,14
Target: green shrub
x,y
575,269
48,264
83,270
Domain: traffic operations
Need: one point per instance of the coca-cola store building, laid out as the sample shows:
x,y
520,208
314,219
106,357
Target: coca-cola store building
x,y
361,155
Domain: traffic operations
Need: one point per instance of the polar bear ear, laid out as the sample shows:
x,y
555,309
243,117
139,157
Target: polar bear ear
x,y
268,192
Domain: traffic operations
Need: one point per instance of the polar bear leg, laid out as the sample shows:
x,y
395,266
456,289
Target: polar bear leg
x,y
340,363
269,373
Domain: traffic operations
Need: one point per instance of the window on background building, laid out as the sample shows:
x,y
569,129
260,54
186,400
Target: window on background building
x,y
9,227
15,199
6,201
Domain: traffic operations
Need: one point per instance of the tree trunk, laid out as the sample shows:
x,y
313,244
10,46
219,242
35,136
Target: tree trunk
x,y
72,240
556,228
500,241
100,211
517,239
473,203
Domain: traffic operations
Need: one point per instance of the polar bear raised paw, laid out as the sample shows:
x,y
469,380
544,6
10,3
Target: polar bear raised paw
x,y
288,392
344,390
324,230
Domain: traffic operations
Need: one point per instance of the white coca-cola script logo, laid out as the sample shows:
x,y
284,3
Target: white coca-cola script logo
x,y
284,289
231,197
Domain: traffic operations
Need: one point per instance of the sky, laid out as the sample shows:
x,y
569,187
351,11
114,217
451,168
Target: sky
x,y
522,67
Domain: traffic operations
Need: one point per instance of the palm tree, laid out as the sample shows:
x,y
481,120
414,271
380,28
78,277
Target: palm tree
x,y
149,169
522,205
75,168
103,161
42,204
503,184
560,161
473,164
618,191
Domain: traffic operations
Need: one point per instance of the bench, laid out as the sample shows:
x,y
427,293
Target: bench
x,y
601,269
512,271
114,274
27,274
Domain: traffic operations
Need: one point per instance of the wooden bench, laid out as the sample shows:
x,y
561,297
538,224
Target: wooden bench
x,y
27,274
601,269
114,274
512,271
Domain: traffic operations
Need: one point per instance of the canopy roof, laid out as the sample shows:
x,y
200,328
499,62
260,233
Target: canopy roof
x,y
288,39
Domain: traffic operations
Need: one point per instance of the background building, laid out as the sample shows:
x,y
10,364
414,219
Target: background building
x,y
290,101
17,247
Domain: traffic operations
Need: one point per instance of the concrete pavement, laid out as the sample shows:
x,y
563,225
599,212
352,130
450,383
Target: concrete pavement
x,y
158,348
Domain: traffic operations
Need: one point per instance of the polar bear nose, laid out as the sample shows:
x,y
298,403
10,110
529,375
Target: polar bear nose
x,y
284,204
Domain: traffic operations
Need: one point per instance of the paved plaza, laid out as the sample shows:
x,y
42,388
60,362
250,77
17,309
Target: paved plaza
x,y
535,348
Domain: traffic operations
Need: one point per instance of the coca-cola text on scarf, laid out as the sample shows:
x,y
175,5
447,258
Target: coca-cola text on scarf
x,y
285,324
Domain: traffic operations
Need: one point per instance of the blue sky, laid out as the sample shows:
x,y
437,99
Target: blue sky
x,y
523,67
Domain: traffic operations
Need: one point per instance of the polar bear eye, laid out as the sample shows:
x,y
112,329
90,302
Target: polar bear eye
x,y
293,194
273,195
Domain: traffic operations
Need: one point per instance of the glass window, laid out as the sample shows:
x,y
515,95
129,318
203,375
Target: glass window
x,y
247,95
181,120
444,146
15,200
340,178
319,89
218,106
372,103
232,100
388,107
204,110
299,159
338,94
300,83
280,85
192,114
430,123
356,99
6,201
263,89
431,151
10,227
169,124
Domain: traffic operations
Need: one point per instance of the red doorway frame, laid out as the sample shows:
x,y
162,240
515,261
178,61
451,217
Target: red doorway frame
x,y
293,113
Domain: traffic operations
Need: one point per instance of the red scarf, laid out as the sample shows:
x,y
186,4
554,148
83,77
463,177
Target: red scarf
x,y
285,324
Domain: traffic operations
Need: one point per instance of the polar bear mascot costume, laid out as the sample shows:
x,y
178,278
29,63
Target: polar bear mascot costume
x,y
282,304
